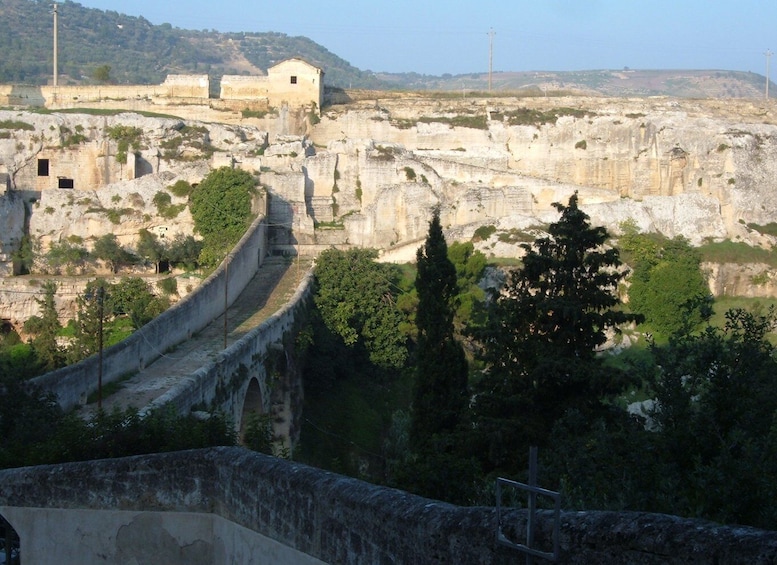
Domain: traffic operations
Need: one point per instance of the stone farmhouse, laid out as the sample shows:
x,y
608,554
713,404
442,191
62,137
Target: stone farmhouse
x,y
294,82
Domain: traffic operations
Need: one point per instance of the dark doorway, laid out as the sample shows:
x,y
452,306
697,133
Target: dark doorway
x,y
9,543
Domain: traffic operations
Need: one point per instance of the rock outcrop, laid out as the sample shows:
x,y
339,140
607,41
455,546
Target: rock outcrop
x,y
370,173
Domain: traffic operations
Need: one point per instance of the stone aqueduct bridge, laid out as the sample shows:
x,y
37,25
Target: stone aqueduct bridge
x,y
239,379
230,505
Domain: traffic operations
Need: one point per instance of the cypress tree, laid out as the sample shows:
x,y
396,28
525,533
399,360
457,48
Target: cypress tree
x,y
440,395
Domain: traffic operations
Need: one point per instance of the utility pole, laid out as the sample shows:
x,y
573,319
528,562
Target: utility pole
x,y
491,34
768,56
226,297
55,45
101,313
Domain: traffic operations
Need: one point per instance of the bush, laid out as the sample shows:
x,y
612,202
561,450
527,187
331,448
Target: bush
x,y
484,232
181,189
168,286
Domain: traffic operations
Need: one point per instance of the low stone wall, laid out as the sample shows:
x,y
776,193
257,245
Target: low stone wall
x,y
193,87
317,516
74,383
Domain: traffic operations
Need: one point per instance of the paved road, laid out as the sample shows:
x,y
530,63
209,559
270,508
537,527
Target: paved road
x,y
272,286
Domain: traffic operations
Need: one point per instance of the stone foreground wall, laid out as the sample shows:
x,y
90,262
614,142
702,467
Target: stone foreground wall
x,y
242,502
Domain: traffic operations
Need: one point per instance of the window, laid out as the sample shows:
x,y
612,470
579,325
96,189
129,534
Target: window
x,y
293,79
43,167
65,183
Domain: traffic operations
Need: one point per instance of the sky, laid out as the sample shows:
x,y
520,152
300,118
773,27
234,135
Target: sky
x,y
436,37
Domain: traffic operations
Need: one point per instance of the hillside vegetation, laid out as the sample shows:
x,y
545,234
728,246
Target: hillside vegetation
x,y
139,52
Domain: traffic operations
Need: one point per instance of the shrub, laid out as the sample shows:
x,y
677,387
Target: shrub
x,y
127,137
484,232
164,205
181,189
168,286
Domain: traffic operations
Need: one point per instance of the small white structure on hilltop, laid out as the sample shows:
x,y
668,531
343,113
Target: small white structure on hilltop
x,y
292,82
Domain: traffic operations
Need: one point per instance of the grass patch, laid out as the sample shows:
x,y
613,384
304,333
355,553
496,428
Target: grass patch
x,y
14,124
766,229
530,117
736,252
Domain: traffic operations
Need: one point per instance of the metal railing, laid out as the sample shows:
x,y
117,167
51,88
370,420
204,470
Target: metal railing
x,y
533,491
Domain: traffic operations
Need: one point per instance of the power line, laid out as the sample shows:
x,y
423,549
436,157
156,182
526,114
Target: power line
x,y
768,57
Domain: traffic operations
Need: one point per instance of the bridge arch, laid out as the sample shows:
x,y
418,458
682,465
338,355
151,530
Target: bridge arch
x,y
9,543
253,403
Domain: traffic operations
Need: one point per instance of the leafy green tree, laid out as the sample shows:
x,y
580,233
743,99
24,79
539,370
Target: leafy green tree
x,y
17,360
107,248
221,209
470,265
45,328
66,254
184,251
258,434
132,297
102,73
667,284
355,296
540,341
150,248
95,309
716,402
24,257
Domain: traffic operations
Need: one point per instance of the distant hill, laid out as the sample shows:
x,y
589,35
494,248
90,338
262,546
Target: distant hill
x,y
627,82
138,52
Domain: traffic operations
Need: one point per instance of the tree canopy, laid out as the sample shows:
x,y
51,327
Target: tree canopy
x,y
667,285
356,298
221,209
544,326
441,393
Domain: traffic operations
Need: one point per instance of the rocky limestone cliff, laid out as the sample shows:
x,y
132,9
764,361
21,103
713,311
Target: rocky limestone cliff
x,y
370,173
687,168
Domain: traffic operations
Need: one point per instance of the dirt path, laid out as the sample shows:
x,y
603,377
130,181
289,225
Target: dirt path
x,y
272,286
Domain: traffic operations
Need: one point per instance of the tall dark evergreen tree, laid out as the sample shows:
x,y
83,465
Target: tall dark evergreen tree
x,y
540,341
438,466
440,397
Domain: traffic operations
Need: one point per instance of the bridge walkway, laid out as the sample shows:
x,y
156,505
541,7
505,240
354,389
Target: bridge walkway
x,y
272,286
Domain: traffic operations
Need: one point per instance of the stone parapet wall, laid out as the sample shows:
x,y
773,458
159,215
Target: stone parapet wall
x,y
321,517
74,383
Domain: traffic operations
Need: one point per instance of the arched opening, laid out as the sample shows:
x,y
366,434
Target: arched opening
x,y
252,418
9,544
